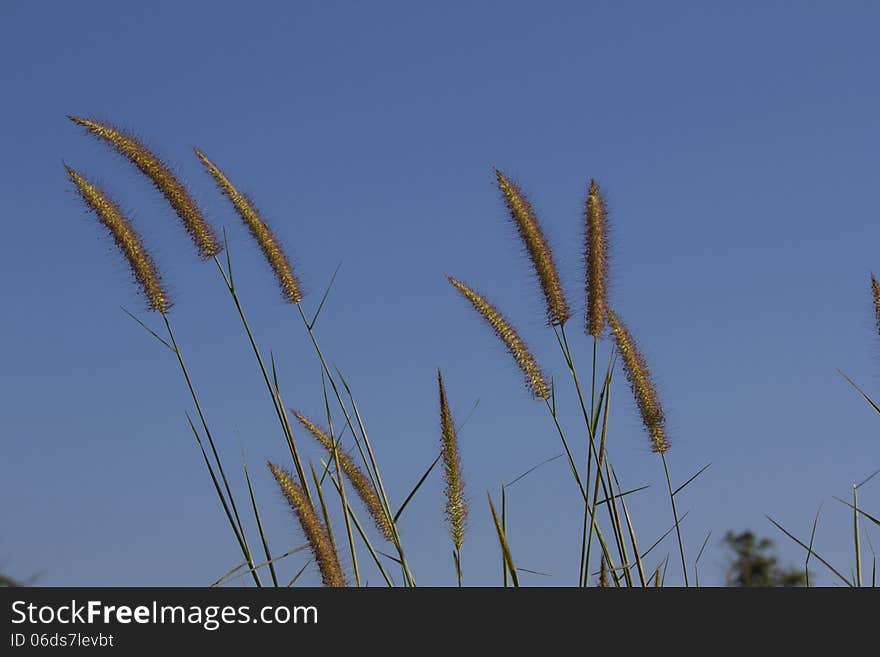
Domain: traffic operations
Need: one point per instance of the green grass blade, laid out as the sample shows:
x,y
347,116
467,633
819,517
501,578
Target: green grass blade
x,y
416,487
699,472
505,548
820,559
259,523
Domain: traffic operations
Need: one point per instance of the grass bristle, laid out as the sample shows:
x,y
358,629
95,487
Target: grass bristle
x,y
362,484
456,504
127,239
314,530
536,244
259,229
165,181
643,389
508,335
596,261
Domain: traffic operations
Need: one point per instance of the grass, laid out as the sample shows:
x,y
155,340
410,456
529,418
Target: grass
x,y
608,552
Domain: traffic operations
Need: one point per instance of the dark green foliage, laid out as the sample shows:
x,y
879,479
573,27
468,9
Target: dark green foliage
x,y
7,581
754,564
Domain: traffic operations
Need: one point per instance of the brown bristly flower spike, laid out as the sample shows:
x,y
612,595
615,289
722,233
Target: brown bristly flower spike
x,y
603,574
596,260
456,505
643,389
510,338
127,239
260,231
316,534
875,289
165,181
536,244
362,484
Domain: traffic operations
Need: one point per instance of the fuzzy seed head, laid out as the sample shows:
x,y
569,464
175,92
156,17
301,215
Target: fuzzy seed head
x,y
165,181
643,389
875,290
359,480
456,504
596,260
127,239
260,231
536,244
508,335
314,530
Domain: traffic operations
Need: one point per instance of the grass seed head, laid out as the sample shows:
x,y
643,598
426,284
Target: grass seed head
x,y
596,260
508,335
362,484
536,244
316,534
259,229
643,389
127,239
165,181
456,504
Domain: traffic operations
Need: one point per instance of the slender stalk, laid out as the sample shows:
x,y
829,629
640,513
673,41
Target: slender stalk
x,y
373,471
364,537
269,560
591,420
599,534
279,407
856,536
504,527
245,548
675,517
342,496
606,392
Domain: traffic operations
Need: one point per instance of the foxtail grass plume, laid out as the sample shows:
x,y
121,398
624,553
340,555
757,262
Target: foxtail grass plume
x,y
316,534
362,484
536,244
156,170
127,239
260,230
456,505
596,260
643,389
875,289
510,338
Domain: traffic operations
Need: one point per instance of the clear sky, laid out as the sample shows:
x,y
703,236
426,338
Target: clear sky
x,y
738,149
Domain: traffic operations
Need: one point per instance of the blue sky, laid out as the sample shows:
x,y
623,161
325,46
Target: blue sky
x,y
738,149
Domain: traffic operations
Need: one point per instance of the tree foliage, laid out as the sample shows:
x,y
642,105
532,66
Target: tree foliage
x,y
754,564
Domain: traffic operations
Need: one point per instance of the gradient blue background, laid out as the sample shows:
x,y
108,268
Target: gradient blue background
x,y
738,148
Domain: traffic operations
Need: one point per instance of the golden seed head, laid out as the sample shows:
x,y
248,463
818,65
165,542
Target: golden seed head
x,y
156,170
456,504
596,260
875,289
643,389
362,484
536,244
260,231
316,534
508,335
127,239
